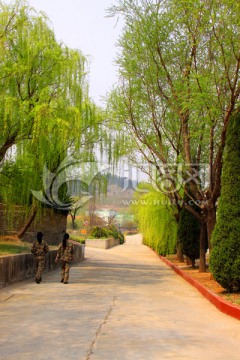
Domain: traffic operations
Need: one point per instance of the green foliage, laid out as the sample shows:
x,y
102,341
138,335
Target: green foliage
x,y
225,255
188,232
113,231
121,237
178,84
79,239
172,63
8,248
45,111
98,232
155,219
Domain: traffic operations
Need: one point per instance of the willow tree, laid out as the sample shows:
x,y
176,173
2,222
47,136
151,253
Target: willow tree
x,y
45,112
178,86
155,218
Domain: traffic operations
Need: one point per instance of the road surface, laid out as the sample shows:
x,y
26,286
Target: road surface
x,y
120,304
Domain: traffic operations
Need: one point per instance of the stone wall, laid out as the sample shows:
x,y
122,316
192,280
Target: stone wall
x,y
51,222
15,268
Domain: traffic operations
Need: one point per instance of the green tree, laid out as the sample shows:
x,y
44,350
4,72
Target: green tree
x,y
45,114
225,256
179,84
43,88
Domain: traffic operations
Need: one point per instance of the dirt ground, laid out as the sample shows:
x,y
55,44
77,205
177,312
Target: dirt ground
x,y
207,280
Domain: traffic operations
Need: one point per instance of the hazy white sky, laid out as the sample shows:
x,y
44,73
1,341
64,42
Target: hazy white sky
x,y
82,24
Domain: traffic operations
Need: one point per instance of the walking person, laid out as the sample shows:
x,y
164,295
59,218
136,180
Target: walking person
x,y
65,254
39,249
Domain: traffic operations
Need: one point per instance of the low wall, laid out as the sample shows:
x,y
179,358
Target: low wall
x,y
102,243
19,267
51,222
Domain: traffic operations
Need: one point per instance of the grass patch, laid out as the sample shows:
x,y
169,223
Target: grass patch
x,y
79,239
12,248
10,245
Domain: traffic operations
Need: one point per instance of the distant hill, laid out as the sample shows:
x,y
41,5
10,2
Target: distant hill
x,y
122,182
117,197
116,191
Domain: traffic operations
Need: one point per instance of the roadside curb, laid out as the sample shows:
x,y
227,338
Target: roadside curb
x,y
221,304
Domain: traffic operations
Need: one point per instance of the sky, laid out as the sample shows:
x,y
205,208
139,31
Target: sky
x,y
83,25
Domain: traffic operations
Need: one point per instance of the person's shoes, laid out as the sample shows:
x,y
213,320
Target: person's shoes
x,y
38,281
61,280
65,282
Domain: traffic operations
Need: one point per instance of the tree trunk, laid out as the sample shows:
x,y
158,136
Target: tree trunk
x,y
73,217
10,141
29,221
203,240
211,221
180,256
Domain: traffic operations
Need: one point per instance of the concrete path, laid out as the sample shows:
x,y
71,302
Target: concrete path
x,y
121,304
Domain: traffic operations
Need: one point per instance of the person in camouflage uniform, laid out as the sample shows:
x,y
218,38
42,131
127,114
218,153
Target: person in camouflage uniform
x,y
39,249
65,254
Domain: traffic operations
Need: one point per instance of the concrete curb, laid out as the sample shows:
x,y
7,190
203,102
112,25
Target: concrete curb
x,y
221,304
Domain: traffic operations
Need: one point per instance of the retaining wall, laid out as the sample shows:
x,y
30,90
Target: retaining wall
x,y
102,244
51,222
19,267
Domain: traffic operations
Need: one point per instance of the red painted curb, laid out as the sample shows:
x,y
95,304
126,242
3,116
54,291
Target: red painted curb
x,y
221,304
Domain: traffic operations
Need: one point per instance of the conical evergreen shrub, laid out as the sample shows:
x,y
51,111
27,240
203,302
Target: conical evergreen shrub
x,y
188,233
225,255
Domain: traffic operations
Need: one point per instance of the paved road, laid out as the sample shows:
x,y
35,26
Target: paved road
x,y
121,304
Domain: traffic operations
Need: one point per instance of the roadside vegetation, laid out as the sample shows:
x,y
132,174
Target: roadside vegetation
x,y
13,246
10,245
155,219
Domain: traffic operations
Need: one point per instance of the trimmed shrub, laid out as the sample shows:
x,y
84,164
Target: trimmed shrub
x,y
225,255
188,233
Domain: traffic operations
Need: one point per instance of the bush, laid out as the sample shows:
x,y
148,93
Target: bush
x,y
188,233
111,231
77,238
98,232
118,235
225,255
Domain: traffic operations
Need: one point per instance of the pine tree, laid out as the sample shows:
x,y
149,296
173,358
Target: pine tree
x,y
225,256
